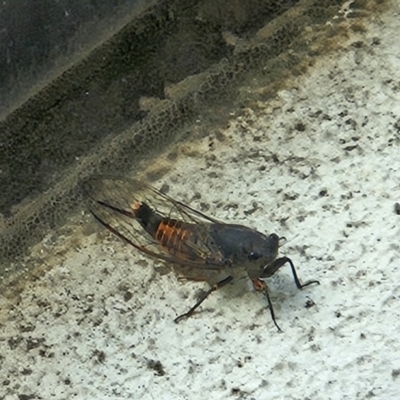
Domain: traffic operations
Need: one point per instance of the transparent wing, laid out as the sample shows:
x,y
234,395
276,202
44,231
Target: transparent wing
x,y
113,202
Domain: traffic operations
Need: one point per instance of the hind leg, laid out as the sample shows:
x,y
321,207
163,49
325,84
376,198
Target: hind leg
x,y
213,288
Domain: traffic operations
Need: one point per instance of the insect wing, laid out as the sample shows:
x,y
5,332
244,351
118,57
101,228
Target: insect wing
x,y
113,201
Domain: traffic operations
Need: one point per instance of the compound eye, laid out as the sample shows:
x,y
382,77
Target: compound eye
x,y
274,236
253,256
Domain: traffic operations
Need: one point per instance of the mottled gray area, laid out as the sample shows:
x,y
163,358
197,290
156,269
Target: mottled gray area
x,y
318,164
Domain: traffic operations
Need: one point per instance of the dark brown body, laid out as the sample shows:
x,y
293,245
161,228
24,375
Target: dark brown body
x,y
162,227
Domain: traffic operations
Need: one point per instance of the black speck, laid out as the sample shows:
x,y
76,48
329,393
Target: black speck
x,y
156,366
26,396
27,328
350,121
33,343
397,208
300,126
323,193
14,342
395,373
196,196
100,355
26,371
396,125
327,117
127,295
204,206
252,210
376,41
309,303
291,196
358,45
164,188
350,148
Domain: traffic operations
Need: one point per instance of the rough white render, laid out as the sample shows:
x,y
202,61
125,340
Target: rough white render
x,y
99,324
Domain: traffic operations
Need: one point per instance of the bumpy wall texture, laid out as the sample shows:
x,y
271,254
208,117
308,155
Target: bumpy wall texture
x,y
89,119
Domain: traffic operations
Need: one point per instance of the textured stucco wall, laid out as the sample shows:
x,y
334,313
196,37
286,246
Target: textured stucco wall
x,y
99,324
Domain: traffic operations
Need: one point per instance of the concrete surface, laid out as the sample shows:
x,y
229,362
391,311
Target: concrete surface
x,y
320,165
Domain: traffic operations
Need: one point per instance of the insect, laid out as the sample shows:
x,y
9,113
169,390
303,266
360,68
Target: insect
x,y
204,248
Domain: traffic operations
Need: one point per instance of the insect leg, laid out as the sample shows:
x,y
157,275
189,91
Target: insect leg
x,y
272,268
206,294
271,309
261,286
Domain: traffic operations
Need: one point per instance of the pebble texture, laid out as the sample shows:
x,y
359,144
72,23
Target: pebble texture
x,y
318,164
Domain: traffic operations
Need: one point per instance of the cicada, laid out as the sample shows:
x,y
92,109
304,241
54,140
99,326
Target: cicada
x,y
204,248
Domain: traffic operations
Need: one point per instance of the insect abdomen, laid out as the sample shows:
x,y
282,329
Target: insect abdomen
x,y
173,234
149,219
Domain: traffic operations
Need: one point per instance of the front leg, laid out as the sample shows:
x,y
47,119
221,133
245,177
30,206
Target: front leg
x,y
270,270
261,286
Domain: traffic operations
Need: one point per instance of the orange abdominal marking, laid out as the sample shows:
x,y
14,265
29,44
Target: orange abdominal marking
x,y
172,235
